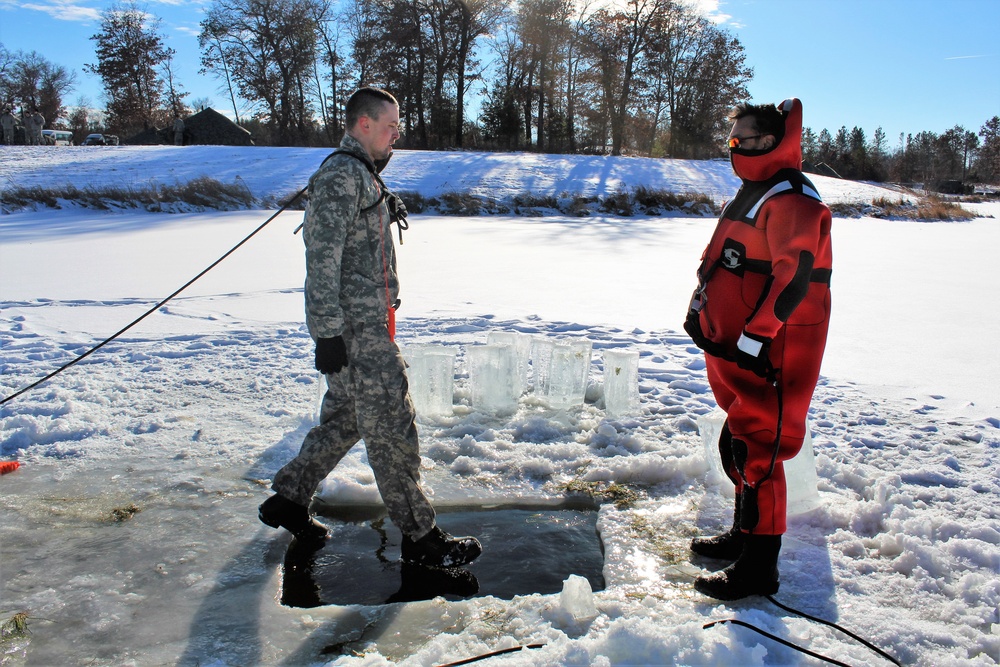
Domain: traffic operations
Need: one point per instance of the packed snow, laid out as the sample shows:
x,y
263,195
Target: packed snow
x,y
179,423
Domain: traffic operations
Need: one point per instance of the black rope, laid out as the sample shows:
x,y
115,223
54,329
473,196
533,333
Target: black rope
x,y
777,639
490,655
778,426
154,308
837,627
811,618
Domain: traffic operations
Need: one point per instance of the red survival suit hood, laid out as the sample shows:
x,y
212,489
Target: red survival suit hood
x,y
753,165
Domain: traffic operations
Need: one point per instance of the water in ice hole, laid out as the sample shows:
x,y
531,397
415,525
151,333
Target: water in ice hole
x,y
526,549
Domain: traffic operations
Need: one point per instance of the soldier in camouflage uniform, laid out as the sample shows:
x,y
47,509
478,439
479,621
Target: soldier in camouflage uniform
x,y
351,290
178,131
35,125
7,122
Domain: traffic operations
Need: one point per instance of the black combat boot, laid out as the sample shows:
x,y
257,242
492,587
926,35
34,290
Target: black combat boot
x,y
727,546
755,572
280,512
439,549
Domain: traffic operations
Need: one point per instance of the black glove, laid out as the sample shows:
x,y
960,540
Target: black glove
x,y
692,325
331,354
753,354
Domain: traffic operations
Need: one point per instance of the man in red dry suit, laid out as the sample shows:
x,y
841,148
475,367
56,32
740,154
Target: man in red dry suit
x,y
761,313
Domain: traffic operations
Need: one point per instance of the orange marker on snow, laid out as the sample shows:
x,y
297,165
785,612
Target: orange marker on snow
x,y
8,466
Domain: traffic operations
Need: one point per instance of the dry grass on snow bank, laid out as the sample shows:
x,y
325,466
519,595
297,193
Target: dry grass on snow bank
x,y
928,208
200,194
624,203
204,193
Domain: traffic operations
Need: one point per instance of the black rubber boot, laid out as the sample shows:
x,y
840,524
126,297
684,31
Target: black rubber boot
x,y
755,572
280,512
439,549
727,546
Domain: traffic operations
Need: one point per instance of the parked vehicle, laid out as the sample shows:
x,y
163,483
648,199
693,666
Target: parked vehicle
x,y
58,137
94,140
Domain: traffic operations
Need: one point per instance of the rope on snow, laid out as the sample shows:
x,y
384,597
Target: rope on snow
x,y
154,308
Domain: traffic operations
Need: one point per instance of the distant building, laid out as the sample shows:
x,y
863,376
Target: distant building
x,y
205,128
211,127
952,187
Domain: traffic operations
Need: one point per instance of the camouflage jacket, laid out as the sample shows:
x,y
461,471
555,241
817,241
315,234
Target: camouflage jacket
x,y
350,257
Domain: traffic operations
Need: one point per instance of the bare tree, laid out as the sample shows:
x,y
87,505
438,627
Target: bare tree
x,y
328,28
200,104
711,77
411,47
672,55
29,81
574,59
618,40
269,47
173,92
544,26
441,20
361,19
7,87
80,122
212,51
501,115
129,51
478,18
391,50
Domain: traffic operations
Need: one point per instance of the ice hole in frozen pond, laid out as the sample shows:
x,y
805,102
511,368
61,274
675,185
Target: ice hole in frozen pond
x,y
526,549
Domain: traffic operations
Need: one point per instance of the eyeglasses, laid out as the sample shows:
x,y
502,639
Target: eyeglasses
x,y
734,142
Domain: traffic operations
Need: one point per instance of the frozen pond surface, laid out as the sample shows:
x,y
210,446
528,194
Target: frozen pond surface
x,y
189,570
183,418
169,558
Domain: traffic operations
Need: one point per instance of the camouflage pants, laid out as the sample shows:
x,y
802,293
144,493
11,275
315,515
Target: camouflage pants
x,y
369,400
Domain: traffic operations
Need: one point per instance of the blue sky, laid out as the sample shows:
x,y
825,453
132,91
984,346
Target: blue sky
x,y
904,65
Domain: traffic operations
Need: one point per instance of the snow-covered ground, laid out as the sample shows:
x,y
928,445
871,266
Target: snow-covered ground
x,y
283,171
187,412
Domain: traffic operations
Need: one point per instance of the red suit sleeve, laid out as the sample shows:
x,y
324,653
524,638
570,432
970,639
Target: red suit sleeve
x,y
793,225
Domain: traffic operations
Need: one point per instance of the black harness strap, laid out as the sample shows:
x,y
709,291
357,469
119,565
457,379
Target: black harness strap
x,y
764,267
383,190
752,196
746,206
384,193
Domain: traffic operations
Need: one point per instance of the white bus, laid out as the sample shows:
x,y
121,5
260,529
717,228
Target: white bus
x,y
58,137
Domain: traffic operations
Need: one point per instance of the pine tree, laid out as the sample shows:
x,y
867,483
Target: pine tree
x,y
988,157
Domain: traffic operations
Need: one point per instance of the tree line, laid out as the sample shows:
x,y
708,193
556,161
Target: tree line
x,y
956,155
642,77
648,76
